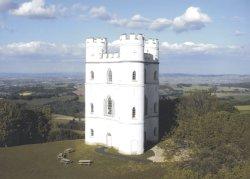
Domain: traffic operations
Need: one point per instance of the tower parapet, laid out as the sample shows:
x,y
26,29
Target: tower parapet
x,y
132,47
152,49
95,48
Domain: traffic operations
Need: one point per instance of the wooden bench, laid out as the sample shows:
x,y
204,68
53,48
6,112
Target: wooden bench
x,y
69,150
61,155
85,162
65,161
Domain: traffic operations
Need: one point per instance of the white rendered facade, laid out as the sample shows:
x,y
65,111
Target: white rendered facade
x,y
121,93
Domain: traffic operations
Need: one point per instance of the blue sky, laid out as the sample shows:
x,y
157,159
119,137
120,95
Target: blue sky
x,y
197,37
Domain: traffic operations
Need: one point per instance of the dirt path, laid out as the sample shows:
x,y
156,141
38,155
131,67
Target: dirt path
x,y
159,155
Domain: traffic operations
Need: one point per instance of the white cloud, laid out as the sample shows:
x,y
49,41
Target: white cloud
x,y
160,24
192,19
187,47
238,33
6,5
100,12
136,21
35,9
39,49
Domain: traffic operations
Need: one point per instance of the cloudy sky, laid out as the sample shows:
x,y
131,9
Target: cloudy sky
x,y
196,37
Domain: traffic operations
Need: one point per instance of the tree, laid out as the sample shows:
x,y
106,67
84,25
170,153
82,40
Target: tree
x,y
219,139
21,126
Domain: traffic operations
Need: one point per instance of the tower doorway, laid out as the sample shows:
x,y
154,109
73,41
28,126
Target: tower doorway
x,y
108,140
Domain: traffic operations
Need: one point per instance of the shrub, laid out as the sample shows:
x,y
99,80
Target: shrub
x,y
63,134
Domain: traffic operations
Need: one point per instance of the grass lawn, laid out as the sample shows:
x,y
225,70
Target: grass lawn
x,y
39,161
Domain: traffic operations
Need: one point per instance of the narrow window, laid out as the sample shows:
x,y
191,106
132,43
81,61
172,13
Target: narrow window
x,y
146,105
133,112
109,106
92,107
92,75
145,75
155,75
91,132
155,131
155,108
134,75
109,76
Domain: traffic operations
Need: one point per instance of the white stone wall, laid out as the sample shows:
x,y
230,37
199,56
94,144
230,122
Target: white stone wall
x,y
120,130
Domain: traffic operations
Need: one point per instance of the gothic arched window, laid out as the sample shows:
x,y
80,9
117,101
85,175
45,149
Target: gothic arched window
x,y
145,75
92,75
92,107
109,76
108,106
134,75
155,107
155,131
91,132
155,75
133,112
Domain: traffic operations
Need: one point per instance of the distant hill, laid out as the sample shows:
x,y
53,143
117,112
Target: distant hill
x,y
176,78
173,78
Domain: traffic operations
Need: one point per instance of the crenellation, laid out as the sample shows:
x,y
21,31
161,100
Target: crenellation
x,y
96,40
110,56
152,41
131,37
133,47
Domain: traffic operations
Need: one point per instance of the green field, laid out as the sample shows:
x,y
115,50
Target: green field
x,y
243,108
39,161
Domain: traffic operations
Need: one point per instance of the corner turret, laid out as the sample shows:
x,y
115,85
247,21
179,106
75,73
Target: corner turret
x,y
151,49
95,48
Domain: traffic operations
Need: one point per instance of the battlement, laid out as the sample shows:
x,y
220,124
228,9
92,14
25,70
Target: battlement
x,y
132,47
153,42
96,40
110,56
131,37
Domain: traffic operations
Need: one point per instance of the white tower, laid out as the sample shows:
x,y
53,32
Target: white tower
x,y
121,93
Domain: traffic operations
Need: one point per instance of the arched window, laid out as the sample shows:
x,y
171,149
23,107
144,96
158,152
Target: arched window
x,y
134,75
92,75
146,106
91,132
155,107
133,112
109,76
110,106
92,107
155,75
155,131
145,75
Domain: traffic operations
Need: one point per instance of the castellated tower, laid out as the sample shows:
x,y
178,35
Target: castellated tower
x,y
121,93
